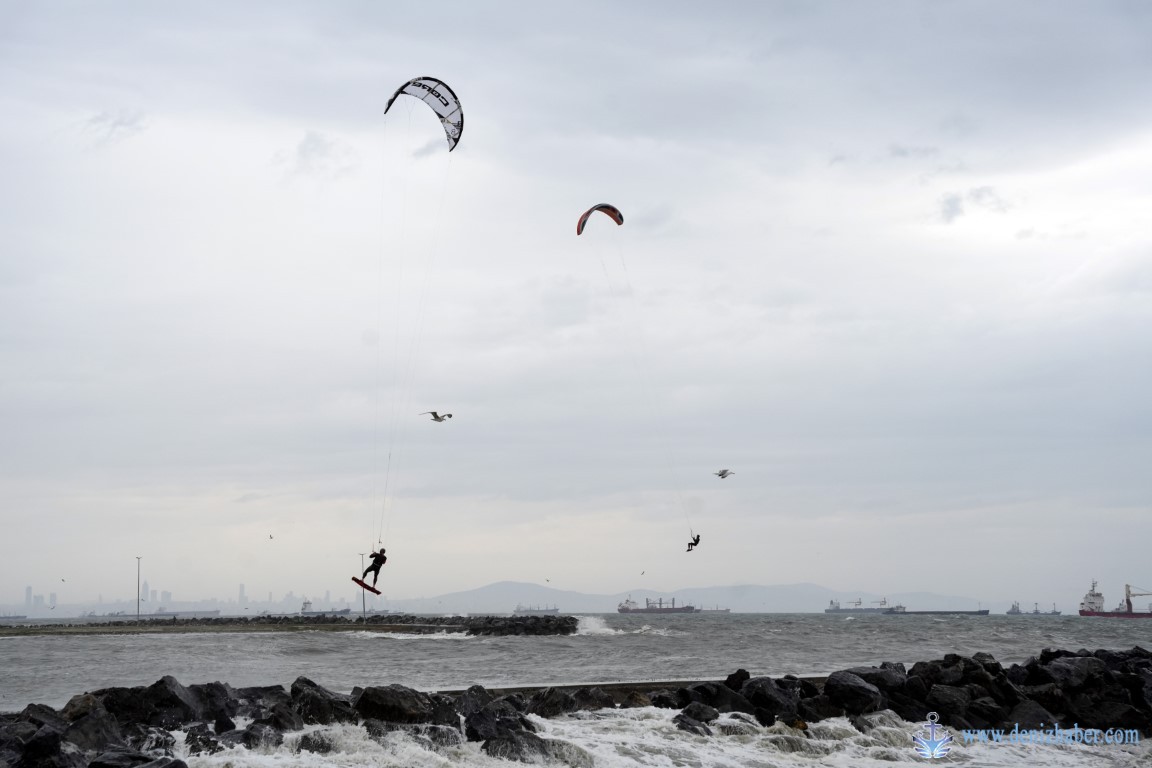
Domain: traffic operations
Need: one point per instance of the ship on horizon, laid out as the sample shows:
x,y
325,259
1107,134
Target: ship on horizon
x,y
535,610
899,610
654,606
1015,610
1093,605
856,606
306,610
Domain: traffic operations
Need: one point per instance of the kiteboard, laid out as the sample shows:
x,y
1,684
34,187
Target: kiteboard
x,y
368,587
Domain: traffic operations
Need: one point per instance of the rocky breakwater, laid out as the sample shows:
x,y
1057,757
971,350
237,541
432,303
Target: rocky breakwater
x,y
475,625
485,625
158,725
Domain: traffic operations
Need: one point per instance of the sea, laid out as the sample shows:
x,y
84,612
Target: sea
x,y
606,648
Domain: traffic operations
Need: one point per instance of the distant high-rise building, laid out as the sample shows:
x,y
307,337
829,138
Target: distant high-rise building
x,y
152,596
242,598
144,591
28,597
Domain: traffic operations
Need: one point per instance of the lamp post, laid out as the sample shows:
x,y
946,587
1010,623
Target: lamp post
x,y
363,595
137,589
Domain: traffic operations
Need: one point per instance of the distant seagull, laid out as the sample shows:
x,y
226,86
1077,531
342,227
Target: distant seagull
x,y
61,579
723,473
52,608
643,572
269,535
436,416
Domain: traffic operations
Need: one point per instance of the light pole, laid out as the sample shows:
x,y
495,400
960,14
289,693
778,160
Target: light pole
x,y
363,595
137,589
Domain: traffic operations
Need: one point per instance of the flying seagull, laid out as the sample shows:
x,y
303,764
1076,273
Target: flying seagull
x,y
723,473
436,416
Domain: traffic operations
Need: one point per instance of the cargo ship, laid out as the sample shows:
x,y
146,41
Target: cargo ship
x,y
654,606
899,610
855,606
1093,605
534,610
306,610
1015,610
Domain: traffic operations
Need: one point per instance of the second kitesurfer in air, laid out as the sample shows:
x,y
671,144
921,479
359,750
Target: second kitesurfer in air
x,y
692,544
378,560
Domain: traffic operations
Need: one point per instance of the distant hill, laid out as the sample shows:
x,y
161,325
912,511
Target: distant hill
x,y
503,596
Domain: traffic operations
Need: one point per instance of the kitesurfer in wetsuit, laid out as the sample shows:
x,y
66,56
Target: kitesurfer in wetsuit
x,y
378,559
694,542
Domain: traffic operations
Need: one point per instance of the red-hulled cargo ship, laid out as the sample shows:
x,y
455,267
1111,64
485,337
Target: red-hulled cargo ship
x,y
1093,605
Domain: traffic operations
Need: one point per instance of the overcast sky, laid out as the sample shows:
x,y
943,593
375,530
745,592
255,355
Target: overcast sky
x,y
891,263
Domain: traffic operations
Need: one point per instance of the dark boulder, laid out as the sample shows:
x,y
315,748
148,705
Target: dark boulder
x,y
165,762
817,708
95,732
120,759
1094,712
496,720
173,704
722,697
764,694
635,699
938,671
258,701
200,741
1030,714
261,736
910,709
127,705
217,700
665,699
1072,673
987,710
318,705
950,701
851,693
473,700
394,704
42,714
592,699
282,718
521,746
736,680
148,739
1049,696
551,702
691,725
701,712
886,678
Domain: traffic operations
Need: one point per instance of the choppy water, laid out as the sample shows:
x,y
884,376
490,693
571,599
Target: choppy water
x,y
607,648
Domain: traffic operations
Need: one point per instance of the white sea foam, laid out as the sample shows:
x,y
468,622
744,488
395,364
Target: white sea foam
x,y
647,736
595,625
412,636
